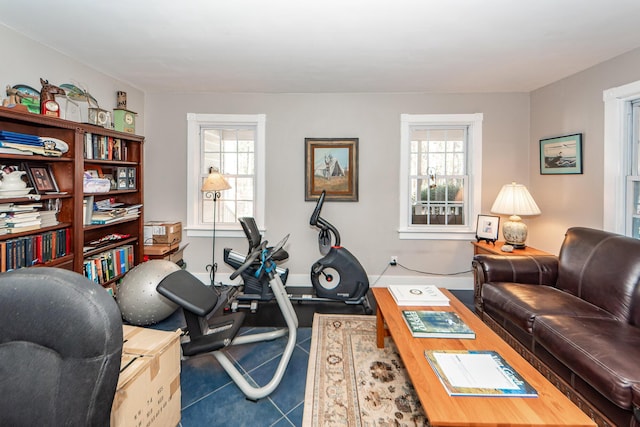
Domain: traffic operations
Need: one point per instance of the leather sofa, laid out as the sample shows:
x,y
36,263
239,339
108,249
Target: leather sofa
x,y
575,317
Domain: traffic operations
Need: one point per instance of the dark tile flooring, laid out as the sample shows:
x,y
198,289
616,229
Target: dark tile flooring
x,y
210,398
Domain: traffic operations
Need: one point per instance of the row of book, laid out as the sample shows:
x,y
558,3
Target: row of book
x,y
35,249
108,265
100,147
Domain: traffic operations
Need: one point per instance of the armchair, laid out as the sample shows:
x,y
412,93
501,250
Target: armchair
x,y
60,347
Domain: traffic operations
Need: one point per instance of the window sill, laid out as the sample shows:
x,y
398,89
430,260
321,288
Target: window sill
x,y
414,234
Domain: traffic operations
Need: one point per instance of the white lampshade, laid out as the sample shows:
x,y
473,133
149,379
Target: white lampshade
x,y
515,200
215,181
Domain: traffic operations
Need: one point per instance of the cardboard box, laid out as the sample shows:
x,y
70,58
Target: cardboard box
x,y
160,250
148,392
164,232
171,253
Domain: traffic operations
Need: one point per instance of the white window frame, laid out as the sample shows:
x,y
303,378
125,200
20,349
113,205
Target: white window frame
x,y
473,193
617,111
195,123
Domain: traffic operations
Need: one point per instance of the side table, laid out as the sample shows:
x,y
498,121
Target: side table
x,y
489,249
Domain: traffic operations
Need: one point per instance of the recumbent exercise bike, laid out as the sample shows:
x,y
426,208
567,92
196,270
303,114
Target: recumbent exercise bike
x,y
206,334
338,276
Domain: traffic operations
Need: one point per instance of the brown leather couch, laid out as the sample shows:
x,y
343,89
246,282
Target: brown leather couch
x,y
575,317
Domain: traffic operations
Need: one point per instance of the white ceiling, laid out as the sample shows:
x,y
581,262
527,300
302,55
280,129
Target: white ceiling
x,y
332,45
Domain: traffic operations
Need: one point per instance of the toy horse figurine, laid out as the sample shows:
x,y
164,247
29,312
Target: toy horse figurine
x,y
48,104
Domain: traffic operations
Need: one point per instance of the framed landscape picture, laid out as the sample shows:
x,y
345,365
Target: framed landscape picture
x,y
331,164
561,155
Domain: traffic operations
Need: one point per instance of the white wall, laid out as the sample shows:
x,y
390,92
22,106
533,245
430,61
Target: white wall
x,y
25,62
573,105
369,227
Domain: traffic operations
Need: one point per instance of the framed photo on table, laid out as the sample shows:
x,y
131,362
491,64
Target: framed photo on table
x,y
331,165
487,228
561,155
42,178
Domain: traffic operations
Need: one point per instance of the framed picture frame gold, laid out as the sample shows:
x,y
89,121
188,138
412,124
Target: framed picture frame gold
x,y
331,165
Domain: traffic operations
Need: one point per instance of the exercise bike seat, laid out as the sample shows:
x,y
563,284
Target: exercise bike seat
x,y
197,301
253,236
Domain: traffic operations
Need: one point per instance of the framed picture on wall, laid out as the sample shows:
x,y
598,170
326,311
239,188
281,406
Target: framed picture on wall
x,y
331,164
561,155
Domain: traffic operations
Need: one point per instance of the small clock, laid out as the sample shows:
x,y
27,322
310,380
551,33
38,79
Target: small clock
x,y
100,117
124,120
50,108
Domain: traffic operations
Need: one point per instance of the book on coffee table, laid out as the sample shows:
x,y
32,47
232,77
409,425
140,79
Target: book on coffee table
x,y
427,295
436,324
477,373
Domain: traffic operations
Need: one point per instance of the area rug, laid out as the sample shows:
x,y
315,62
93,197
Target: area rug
x,y
351,382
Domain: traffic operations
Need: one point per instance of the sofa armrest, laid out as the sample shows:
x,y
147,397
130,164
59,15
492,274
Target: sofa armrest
x,y
532,270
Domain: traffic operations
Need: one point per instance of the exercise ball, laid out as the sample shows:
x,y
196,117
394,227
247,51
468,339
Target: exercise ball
x,y
140,303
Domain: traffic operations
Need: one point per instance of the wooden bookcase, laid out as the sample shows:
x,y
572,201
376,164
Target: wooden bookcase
x,y
68,172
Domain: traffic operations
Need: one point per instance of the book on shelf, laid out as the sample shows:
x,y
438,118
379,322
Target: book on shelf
x,y
426,295
436,324
477,373
13,230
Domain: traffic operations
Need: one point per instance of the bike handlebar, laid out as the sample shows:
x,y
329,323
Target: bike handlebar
x,y
316,212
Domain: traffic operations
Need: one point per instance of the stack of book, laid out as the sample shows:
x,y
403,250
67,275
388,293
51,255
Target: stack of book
x,y
48,218
19,222
106,211
426,295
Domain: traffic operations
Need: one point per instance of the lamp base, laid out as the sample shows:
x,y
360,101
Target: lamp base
x,y
515,232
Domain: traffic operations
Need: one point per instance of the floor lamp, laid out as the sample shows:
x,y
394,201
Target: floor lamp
x,y
211,188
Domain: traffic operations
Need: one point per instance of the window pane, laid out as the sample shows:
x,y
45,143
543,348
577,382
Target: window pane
x,y
245,164
437,191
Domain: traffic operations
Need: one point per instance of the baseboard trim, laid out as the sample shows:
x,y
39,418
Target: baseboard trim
x,y
463,282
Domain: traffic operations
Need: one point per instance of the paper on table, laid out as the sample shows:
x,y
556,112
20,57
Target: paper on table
x,y
473,371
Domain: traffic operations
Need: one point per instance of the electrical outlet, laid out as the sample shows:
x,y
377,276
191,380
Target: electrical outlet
x,y
394,260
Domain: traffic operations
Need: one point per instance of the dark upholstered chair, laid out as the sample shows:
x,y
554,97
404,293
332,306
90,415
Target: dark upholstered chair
x,y
60,349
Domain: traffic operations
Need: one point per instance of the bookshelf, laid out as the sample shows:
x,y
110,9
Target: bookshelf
x,y
68,171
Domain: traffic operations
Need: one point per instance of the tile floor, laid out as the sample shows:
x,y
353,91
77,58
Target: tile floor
x,y
210,398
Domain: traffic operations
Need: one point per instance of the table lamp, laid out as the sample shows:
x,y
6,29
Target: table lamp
x,y
515,200
211,187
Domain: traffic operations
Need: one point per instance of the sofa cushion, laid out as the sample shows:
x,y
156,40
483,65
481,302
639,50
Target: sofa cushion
x,y
602,268
603,352
522,303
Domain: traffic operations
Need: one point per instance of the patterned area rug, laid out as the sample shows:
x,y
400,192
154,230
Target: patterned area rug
x,y
351,382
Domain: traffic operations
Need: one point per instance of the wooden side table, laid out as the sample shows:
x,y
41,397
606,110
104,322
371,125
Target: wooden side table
x,y
487,248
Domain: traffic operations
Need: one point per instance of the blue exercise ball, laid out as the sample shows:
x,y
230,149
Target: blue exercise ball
x,y
139,301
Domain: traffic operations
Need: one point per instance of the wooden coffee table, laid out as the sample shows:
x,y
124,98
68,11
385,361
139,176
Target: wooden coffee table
x,y
550,408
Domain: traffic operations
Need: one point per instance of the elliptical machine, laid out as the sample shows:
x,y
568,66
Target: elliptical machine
x,y
338,276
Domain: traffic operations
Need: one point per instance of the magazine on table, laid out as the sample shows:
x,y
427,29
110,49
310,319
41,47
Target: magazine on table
x,y
477,373
436,324
427,295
